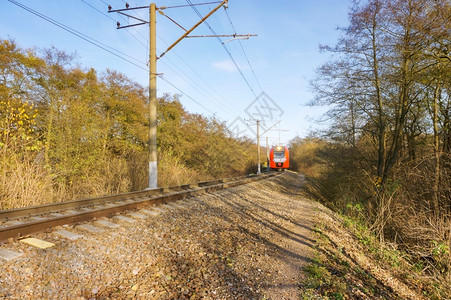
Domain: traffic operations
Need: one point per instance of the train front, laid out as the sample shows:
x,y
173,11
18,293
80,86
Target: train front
x,y
279,158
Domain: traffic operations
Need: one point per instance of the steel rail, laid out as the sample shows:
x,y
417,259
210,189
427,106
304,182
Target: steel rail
x,y
152,197
54,207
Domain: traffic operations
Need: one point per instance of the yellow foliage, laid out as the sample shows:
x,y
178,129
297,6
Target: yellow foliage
x,y
303,155
16,125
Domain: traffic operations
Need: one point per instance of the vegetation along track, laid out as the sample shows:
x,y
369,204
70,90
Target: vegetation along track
x,y
23,221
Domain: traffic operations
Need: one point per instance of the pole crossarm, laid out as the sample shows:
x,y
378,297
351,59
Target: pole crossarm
x,y
125,9
195,4
194,27
172,20
187,32
271,127
223,35
131,25
145,22
121,11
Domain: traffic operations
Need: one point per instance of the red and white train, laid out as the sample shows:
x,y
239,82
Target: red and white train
x,y
279,158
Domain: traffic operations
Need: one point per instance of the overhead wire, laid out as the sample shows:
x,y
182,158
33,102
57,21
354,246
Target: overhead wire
x,y
167,81
79,34
186,78
244,52
215,16
175,65
265,108
178,89
230,56
224,46
110,49
94,42
211,97
106,15
105,48
201,91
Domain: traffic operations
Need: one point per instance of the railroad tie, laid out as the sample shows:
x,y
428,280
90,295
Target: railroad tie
x,y
107,224
125,219
90,228
9,255
37,243
68,235
137,215
149,212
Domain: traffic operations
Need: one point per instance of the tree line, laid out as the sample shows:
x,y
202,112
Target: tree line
x,y
387,150
68,132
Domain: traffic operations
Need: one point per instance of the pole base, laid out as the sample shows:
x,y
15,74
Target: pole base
x,y
152,175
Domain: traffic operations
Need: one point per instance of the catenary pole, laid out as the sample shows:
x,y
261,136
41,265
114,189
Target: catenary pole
x,y
152,98
267,154
258,147
153,164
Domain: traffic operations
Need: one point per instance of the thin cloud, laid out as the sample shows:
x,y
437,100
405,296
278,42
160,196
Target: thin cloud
x,y
227,66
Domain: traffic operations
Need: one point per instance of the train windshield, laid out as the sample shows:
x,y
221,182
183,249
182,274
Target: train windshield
x,y
279,154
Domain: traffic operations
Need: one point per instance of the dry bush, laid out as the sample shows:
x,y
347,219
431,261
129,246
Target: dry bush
x,y
304,158
111,177
172,172
26,183
430,210
138,172
406,212
343,179
418,219
335,173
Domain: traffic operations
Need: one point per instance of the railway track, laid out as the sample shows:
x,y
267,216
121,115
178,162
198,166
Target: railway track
x,y
17,223
239,242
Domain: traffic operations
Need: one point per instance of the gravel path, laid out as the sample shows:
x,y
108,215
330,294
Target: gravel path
x,y
247,242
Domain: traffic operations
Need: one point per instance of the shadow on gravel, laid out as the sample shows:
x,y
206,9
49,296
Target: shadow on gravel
x,y
273,213
266,223
238,249
254,216
289,183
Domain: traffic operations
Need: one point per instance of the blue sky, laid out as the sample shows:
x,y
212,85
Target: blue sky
x,y
283,57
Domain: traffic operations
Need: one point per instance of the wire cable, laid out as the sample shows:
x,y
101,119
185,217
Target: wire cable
x,y
230,56
198,87
98,10
174,86
224,46
211,97
242,48
191,82
79,34
104,47
174,64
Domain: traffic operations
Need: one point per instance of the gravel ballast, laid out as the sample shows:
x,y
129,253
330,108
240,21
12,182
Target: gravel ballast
x,y
247,242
